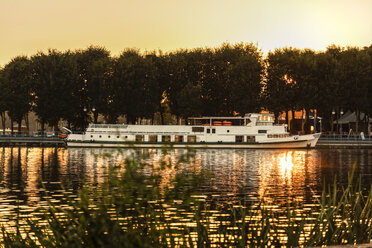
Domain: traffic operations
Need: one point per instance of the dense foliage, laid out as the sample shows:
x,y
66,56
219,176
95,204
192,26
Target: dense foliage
x,y
78,86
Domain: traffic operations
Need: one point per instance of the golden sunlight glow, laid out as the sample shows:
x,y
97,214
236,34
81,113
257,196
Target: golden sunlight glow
x,y
286,173
30,26
286,165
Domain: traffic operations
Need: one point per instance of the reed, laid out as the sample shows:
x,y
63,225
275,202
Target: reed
x,y
142,204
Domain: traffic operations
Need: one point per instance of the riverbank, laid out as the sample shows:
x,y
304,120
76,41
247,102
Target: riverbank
x,y
31,141
345,142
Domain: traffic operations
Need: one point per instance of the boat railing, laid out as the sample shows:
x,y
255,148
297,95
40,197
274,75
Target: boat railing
x,y
108,126
346,137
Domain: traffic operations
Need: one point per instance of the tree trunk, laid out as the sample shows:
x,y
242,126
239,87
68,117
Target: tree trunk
x,y
11,126
292,122
95,116
276,114
287,118
357,120
3,119
163,111
20,127
302,122
162,117
307,121
27,124
42,127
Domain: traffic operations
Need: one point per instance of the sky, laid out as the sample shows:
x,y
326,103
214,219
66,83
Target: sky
x,y
27,27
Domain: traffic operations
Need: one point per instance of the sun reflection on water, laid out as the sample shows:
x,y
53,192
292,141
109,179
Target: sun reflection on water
x,y
286,165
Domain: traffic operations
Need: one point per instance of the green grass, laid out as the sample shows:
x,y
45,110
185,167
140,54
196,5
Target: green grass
x,y
145,205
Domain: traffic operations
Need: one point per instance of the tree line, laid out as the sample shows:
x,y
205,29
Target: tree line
x,y
227,80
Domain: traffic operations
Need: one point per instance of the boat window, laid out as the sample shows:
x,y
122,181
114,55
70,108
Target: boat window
x,y
178,138
118,136
269,135
165,138
100,136
191,139
213,130
208,130
239,139
91,136
250,139
140,138
228,131
153,138
262,131
198,129
109,136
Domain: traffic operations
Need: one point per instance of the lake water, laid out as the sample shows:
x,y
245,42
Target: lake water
x,y
31,176
28,175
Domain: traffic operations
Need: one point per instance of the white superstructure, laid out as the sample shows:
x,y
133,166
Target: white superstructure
x,y
250,131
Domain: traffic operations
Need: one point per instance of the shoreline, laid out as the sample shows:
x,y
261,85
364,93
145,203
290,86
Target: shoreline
x,y
57,142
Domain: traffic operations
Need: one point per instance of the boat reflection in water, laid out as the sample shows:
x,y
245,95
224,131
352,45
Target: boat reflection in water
x,y
31,176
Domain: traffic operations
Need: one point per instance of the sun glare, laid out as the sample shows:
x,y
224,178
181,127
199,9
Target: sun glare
x,y
286,165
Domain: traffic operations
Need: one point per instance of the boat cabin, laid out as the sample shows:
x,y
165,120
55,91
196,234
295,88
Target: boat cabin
x,y
247,120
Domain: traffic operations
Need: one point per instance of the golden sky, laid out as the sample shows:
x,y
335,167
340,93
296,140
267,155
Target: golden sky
x,y
28,26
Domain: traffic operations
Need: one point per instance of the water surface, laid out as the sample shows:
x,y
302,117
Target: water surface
x,y
31,176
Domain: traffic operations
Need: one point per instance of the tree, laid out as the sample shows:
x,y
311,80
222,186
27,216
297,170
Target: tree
x,y
54,85
17,76
4,98
280,91
368,50
304,73
137,82
185,83
354,70
244,79
95,70
330,90
157,82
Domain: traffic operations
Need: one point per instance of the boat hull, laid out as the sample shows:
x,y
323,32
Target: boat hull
x,y
305,141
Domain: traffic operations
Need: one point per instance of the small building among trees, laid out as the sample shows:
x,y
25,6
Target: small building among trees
x,y
348,123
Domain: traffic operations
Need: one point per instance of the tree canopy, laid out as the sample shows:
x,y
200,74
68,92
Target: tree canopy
x,y
78,86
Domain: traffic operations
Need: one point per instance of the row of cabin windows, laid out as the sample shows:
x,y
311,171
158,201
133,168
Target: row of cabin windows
x,y
166,138
154,138
278,135
108,136
180,138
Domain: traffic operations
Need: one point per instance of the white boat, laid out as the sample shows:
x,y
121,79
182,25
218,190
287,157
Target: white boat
x,y
249,131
